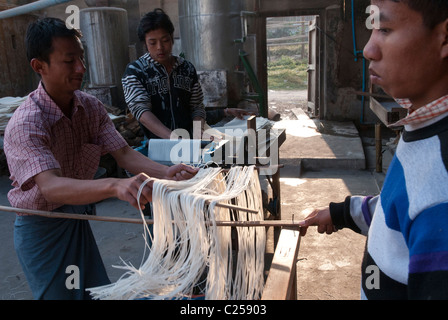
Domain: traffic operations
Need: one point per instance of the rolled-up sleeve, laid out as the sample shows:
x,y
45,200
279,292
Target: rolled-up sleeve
x,y
137,98
28,151
197,102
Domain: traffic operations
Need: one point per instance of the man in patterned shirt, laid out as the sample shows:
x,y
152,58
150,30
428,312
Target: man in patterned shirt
x,y
161,90
53,145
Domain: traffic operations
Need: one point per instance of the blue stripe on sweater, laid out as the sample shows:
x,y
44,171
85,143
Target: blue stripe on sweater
x,y
394,199
428,240
428,262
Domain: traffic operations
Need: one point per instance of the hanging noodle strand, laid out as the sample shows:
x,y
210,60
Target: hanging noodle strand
x,y
186,250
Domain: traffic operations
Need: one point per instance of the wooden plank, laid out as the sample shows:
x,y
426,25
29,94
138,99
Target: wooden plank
x,y
386,112
281,282
373,95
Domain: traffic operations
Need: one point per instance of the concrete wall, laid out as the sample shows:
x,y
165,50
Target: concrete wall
x,y
16,76
344,69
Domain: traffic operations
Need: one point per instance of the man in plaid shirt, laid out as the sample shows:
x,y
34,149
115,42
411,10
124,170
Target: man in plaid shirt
x,y
53,145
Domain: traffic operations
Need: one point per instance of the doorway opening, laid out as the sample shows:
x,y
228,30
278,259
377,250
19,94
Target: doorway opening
x,y
292,75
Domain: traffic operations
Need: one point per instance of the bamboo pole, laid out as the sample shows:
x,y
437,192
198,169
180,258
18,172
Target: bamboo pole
x,y
231,206
51,214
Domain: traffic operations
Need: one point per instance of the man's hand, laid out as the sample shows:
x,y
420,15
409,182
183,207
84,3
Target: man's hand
x,y
180,172
236,112
127,190
320,218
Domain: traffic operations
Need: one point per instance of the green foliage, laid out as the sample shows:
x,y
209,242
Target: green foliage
x,y
287,73
287,52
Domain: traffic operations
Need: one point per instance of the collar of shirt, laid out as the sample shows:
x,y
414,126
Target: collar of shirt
x,y
49,108
177,60
430,111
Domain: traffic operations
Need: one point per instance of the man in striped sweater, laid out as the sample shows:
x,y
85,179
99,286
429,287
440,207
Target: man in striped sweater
x,y
406,225
161,90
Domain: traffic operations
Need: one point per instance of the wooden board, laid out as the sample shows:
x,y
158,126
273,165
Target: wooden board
x,y
281,282
387,111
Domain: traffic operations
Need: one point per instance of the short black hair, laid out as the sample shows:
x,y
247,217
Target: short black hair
x,y
40,34
433,11
154,20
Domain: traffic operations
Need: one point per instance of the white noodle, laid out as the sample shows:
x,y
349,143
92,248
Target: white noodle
x,y
186,243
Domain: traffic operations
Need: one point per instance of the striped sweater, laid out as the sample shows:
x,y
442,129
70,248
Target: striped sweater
x,y
175,99
406,255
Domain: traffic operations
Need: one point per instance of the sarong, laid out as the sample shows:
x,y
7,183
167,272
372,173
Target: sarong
x,y
60,257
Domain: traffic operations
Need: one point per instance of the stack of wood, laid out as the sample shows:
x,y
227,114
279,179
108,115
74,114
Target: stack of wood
x,y
127,125
130,129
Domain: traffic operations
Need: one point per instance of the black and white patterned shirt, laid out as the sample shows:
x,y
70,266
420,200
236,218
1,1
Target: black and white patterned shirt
x,y
175,99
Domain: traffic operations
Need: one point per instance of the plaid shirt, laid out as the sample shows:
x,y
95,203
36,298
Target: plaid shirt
x,y
40,137
427,112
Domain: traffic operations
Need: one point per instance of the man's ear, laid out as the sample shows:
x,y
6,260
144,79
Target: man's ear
x,y
37,65
444,31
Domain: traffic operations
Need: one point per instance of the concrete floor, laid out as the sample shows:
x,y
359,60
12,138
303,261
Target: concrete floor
x,y
323,162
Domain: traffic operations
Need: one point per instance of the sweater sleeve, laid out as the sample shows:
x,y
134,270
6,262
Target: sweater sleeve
x,y
136,96
354,213
197,99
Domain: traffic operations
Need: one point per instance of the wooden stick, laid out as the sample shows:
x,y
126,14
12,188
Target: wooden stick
x,y
261,167
374,95
51,214
264,223
231,206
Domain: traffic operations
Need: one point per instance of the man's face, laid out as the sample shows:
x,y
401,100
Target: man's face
x,y
404,54
160,45
66,69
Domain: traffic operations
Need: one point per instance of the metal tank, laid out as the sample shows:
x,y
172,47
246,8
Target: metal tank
x,y
106,41
208,30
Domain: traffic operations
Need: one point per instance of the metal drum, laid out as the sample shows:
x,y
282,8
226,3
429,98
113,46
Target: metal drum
x,y
106,41
208,30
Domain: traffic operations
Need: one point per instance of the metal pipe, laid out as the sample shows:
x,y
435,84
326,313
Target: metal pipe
x,y
30,7
356,53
